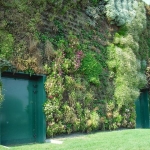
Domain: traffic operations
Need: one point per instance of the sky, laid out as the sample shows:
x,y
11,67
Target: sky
x,y
147,1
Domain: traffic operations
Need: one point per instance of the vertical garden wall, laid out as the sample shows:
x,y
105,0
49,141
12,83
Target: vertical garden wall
x,y
94,54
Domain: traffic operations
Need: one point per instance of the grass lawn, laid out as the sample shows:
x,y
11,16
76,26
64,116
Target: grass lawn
x,y
133,139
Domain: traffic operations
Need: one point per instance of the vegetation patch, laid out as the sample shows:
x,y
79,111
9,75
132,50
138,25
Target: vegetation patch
x,y
94,69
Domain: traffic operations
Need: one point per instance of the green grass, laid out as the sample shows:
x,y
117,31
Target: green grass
x,y
135,139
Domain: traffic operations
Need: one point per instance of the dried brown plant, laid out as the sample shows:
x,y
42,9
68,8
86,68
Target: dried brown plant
x,y
49,50
32,45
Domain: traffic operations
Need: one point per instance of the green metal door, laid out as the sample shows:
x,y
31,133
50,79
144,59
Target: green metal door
x,y
18,111
142,110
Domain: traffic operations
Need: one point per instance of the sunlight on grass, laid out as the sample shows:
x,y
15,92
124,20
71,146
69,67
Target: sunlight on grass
x,y
134,139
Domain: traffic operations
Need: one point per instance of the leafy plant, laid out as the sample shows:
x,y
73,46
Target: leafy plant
x,y
6,44
121,12
124,64
91,68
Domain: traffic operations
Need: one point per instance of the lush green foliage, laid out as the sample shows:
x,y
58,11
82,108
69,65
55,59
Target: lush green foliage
x,y
6,44
91,68
121,12
124,63
69,108
6,50
145,43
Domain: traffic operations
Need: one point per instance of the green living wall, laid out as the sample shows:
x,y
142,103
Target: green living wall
x,y
93,58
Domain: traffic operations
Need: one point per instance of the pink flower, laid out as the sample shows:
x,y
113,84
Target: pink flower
x,y
50,97
78,57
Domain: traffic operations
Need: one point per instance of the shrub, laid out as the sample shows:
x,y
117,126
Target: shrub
x,y
121,12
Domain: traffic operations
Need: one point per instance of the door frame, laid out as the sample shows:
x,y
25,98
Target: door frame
x,y
142,109
40,125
